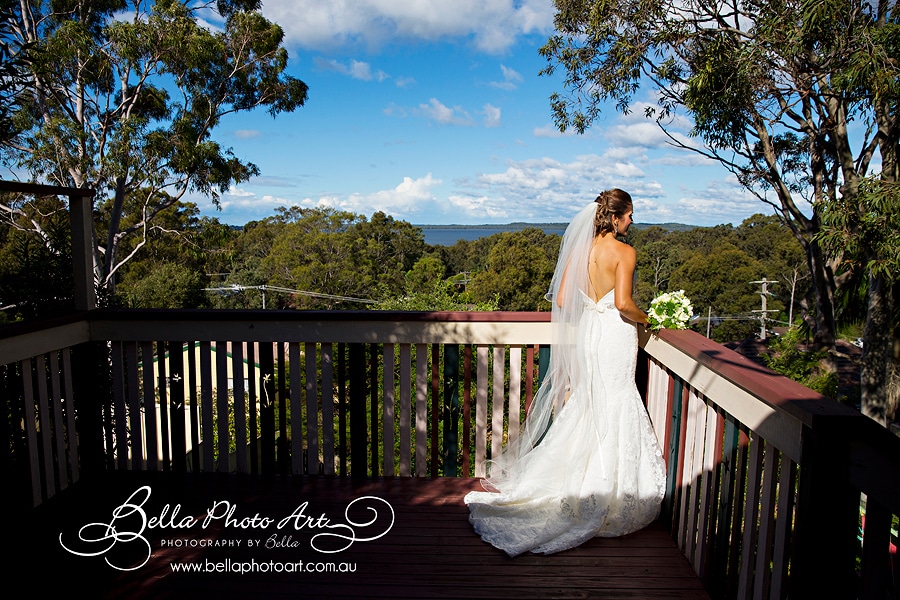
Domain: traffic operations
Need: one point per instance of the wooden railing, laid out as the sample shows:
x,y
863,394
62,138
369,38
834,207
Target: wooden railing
x,y
765,477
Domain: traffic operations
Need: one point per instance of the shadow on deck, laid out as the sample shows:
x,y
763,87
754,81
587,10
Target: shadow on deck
x,y
429,551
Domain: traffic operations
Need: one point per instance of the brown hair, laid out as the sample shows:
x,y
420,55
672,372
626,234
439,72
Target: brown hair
x,y
611,203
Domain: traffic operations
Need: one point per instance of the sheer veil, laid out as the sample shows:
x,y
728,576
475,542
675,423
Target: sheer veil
x,y
570,280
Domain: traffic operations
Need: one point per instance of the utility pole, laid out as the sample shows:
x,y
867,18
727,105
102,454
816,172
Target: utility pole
x,y
764,293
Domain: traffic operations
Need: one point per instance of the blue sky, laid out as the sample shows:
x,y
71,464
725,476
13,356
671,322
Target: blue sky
x,y
434,113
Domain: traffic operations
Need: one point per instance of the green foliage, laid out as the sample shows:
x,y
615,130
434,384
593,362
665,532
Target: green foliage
x,y
518,271
795,362
124,97
35,266
798,100
864,231
167,285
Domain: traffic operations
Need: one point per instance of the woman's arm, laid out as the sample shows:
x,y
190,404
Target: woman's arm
x,y
624,286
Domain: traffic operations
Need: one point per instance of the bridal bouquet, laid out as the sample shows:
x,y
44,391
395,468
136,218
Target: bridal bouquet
x,y
671,310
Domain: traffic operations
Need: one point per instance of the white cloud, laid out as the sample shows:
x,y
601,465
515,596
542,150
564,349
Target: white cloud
x,y
246,134
491,116
409,197
355,69
491,26
511,79
444,115
551,131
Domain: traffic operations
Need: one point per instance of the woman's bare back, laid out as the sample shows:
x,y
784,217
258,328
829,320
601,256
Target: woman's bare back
x,y
604,259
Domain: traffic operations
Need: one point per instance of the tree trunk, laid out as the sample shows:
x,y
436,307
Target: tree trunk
x,y
823,324
876,355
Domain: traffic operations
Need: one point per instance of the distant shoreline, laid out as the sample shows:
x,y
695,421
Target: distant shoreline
x,y
449,235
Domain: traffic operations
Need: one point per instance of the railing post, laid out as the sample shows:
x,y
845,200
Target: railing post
x,y
81,219
823,563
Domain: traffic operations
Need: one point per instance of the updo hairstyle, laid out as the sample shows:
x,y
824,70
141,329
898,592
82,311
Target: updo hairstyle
x,y
611,203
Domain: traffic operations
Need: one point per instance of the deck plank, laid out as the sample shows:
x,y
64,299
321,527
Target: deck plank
x,y
430,551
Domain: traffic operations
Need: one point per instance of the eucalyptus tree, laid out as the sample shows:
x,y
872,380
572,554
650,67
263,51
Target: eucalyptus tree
x,y
124,97
797,98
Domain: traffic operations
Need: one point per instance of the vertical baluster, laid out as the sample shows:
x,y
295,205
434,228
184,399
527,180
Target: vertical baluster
x,y
784,525
467,411
71,431
297,437
451,410
421,409
253,384
59,430
481,411
206,406
134,406
529,377
435,409
119,411
281,399
240,413
312,410
497,400
751,515
737,512
405,409
222,407
193,405
764,547
711,447
267,408
176,378
515,391
389,396
694,530
31,432
162,385
674,454
328,409
373,406
358,433
342,406
685,526
151,426
720,549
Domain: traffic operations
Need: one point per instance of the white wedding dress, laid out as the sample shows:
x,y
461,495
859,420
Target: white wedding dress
x,y
598,470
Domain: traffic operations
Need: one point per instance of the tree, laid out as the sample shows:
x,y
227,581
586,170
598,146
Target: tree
x,y
720,279
124,97
774,90
36,273
13,68
519,268
766,86
867,234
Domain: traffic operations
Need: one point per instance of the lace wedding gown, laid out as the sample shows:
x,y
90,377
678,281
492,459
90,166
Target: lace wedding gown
x,y
598,471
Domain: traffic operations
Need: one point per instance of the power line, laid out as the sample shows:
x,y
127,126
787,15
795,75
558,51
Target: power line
x,y
236,287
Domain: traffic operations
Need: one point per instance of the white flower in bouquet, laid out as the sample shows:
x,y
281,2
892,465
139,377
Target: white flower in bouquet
x,y
671,310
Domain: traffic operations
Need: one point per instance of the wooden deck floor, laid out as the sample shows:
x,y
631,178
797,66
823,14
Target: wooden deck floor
x,y
429,551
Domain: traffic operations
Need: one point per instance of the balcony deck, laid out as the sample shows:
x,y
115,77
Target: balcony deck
x,y
772,491
430,551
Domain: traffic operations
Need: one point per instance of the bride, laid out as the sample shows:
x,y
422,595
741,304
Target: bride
x,y
587,462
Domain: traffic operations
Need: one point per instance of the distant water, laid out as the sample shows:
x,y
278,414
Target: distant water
x,y
436,235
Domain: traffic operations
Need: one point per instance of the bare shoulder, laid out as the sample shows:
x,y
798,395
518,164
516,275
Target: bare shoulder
x,y
625,251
